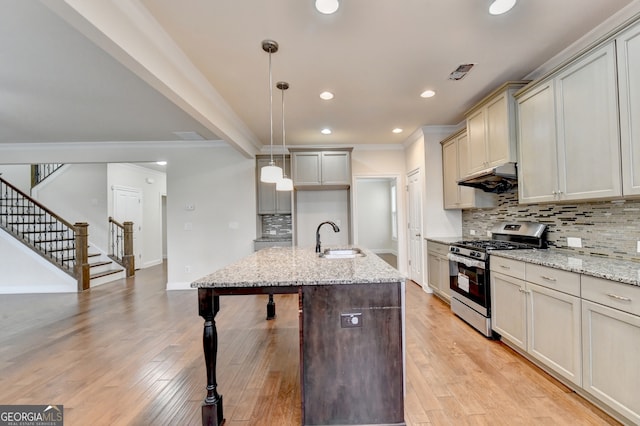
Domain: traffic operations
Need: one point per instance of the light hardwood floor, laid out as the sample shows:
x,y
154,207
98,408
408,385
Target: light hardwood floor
x,y
130,353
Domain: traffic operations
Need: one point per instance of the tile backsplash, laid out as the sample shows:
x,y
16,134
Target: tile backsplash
x,y
276,225
607,228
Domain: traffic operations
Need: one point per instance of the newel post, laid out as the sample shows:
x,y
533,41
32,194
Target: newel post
x,y
82,255
128,258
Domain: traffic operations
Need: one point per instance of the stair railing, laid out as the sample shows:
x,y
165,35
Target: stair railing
x,y
121,245
40,172
58,241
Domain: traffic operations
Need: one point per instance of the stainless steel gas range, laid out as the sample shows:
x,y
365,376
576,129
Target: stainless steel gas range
x,y
469,263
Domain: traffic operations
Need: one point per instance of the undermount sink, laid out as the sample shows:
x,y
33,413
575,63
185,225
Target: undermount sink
x,y
346,253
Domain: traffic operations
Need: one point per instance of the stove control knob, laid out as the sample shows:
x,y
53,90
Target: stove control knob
x,y
454,249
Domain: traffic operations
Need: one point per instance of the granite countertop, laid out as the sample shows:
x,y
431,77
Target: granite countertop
x,y
444,240
296,266
622,271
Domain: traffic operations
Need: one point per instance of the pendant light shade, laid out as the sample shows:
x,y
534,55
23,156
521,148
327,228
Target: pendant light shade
x,y
270,173
284,184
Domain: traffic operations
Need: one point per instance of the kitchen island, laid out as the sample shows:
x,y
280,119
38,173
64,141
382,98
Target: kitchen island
x,y
351,331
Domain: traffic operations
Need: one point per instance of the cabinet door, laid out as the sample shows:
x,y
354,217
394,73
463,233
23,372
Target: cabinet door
x,y
336,168
445,274
628,50
306,168
283,202
433,263
497,133
508,309
588,139
610,348
477,159
553,331
450,188
537,162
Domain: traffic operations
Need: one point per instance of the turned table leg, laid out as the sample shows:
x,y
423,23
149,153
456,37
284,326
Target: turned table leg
x,y
208,307
271,308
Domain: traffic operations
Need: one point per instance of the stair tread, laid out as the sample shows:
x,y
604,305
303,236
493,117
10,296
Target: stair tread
x,y
96,264
104,274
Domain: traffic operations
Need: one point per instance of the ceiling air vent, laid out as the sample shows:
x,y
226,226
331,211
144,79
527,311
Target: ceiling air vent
x,y
460,72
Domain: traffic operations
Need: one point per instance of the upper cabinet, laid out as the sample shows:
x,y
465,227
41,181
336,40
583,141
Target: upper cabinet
x,y
628,50
321,168
569,145
271,201
454,161
491,129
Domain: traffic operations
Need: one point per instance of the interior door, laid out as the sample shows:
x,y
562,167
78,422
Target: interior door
x,y
127,207
415,226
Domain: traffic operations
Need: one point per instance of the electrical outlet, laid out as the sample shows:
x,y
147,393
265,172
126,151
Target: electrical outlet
x,y
489,234
351,320
472,232
187,269
638,246
575,242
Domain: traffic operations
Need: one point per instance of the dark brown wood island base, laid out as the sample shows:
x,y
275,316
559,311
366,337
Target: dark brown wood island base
x,y
351,333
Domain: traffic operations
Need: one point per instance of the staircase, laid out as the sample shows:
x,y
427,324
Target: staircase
x,y
53,238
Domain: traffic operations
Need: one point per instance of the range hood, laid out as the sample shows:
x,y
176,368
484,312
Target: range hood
x,y
499,179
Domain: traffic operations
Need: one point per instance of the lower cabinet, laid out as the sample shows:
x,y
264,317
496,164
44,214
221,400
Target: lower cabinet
x,y
611,344
584,329
438,268
542,321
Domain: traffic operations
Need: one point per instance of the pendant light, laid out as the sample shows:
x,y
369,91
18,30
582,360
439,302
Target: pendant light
x,y
270,173
284,184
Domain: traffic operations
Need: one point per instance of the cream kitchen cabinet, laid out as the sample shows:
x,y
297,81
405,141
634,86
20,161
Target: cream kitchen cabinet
x,y
271,201
454,166
611,344
438,269
569,145
537,309
628,55
491,129
314,168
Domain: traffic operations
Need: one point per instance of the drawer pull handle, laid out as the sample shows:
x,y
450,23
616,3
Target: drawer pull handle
x,y
615,296
505,267
547,278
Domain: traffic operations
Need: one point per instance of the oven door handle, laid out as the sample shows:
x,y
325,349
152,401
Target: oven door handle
x,y
470,263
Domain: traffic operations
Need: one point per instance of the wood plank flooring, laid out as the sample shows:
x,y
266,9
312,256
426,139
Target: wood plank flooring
x,y
130,353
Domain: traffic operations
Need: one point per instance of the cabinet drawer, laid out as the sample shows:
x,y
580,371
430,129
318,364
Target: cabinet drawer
x,y
557,279
437,248
513,268
624,297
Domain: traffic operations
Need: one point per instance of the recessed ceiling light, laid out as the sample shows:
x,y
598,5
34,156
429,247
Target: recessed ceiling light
x,y
327,6
325,131
428,94
498,7
397,130
161,163
326,96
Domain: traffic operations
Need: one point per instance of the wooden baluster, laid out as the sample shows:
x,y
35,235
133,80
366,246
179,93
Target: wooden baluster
x,y
82,255
128,258
208,307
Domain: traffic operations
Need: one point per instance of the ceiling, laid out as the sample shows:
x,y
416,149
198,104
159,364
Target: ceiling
x,y
61,82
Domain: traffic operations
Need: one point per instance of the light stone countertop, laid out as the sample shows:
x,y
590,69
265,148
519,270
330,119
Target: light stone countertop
x,y
622,271
296,266
444,240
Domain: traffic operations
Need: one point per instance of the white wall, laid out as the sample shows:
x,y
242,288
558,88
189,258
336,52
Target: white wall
x,y
437,221
24,271
153,185
373,204
18,175
315,207
220,183
78,193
